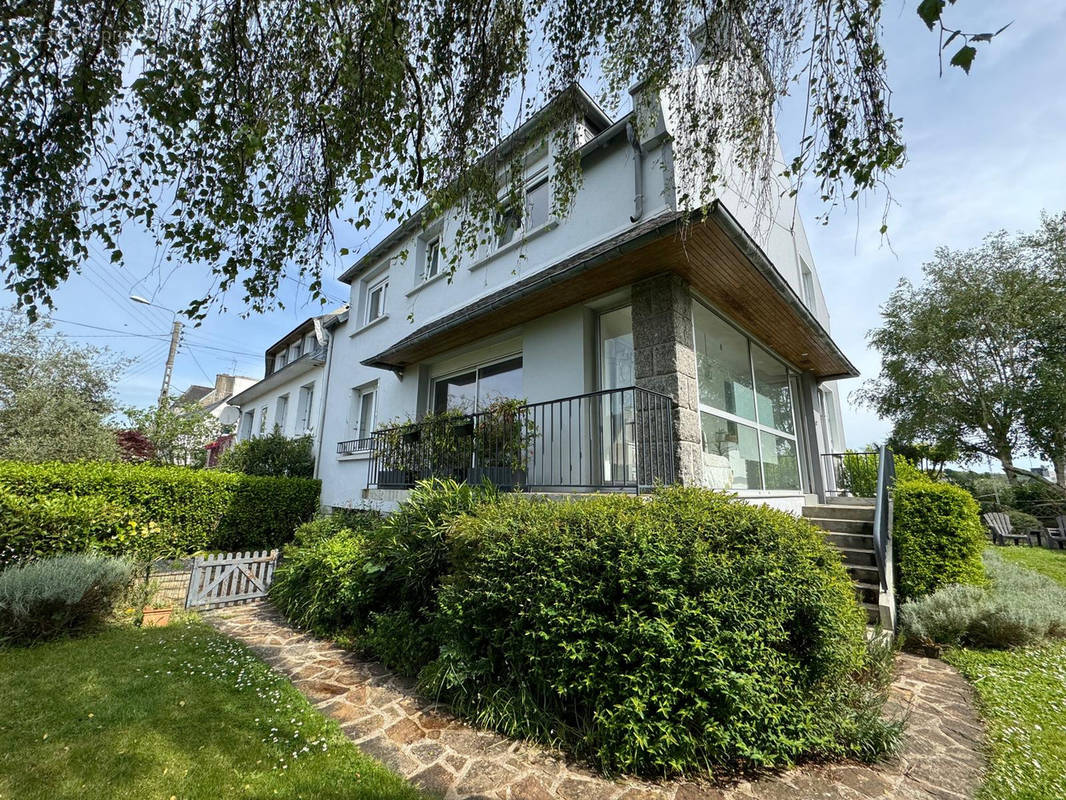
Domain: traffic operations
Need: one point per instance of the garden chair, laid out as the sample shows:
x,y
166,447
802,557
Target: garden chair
x,y
1057,535
1002,530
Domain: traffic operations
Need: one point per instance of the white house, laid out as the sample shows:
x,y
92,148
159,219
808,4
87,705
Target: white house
x,y
216,400
650,341
290,396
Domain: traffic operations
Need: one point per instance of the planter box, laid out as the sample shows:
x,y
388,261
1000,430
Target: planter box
x,y
156,617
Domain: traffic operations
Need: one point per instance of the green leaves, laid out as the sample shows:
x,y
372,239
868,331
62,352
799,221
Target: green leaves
x,y
964,57
930,11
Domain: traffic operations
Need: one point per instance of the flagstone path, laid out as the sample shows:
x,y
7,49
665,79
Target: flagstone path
x,y
381,713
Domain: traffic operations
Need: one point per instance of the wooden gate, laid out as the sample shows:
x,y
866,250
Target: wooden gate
x,y
221,579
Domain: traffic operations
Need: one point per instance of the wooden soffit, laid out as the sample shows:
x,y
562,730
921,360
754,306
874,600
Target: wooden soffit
x,y
714,254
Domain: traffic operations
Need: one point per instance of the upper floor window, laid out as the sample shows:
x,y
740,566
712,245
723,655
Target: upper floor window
x,y
279,360
810,297
432,264
303,409
375,300
247,423
364,408
281,412
529,213
310,343
294,350
263,419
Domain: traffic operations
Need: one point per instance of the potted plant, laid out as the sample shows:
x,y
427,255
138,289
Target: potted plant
x,y
148,544
505,432
398,459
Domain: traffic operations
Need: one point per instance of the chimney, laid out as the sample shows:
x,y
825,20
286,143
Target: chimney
x,y
223,385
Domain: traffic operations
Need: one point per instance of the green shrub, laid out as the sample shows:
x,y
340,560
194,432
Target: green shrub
x,y
858,472
937,537
64,594
380,581
1018,608
276,455
193,509
319,583
39,527
655,636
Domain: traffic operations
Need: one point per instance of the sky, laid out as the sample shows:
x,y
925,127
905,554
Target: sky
x,y
985,151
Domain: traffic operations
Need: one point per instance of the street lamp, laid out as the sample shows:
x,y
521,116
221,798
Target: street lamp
x,y
175,336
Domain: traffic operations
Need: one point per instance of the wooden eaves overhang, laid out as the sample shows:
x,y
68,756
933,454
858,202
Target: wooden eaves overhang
x,y
712,252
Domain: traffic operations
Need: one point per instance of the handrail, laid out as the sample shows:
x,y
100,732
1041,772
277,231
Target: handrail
x,y
886,477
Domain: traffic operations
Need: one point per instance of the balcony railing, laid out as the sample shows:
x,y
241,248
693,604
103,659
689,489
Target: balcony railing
x,y
851,474
353,446
616,439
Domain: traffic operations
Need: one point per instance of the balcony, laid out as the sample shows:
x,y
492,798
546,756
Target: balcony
x,y
612,440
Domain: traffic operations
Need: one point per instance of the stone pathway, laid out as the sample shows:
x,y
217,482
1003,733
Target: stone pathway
x,y
385,718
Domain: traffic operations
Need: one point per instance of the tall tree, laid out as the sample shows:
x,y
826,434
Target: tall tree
x,y
239,133
55,396
958,351
1044,414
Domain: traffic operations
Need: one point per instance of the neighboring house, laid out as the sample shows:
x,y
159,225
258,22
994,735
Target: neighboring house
x,y
655,342
290,397
216,400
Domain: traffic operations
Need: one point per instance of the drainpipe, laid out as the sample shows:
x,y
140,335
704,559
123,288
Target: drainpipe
x,y
638,172
322,415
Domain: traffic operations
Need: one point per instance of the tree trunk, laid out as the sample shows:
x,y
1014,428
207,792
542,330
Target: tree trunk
x,y
1006,458
1060,472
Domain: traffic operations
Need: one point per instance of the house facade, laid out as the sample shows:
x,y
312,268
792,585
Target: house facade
x,y
290,396
648,340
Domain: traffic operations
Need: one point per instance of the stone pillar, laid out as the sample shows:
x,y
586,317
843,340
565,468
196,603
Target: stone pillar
x,y
664,358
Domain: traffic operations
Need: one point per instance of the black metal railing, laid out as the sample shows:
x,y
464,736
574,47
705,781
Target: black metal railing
x,y
621,439
886,477
353,446
853,473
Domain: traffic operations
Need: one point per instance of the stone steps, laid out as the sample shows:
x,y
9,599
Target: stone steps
x,y
849,527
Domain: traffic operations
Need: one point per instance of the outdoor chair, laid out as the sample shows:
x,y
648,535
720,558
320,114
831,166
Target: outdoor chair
x,y
1002,531
1057,535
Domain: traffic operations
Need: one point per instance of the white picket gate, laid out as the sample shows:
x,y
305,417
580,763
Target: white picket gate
x,y
220,579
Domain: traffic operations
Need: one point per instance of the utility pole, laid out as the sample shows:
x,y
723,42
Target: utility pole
x,y
175,336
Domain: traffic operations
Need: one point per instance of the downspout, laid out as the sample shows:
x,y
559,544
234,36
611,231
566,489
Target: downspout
x,y
322,416
638,171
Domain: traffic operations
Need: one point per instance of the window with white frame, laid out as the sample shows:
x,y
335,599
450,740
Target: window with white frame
x,y
303,408
279,360
310,343
247,424
527,214
281,412
376,294
294,350
810,297
364,411
746,410
431,265
263,419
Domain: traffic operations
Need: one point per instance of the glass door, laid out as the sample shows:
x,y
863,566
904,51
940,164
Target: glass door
x,y
616,423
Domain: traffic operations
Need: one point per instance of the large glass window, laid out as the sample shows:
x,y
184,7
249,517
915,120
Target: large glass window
x,y
746,410
616,348
472,391
723,365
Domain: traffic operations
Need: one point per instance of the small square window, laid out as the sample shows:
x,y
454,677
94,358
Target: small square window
x,y
432,266
375,300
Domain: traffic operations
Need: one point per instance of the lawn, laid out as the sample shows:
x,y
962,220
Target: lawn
x,y
1022,695
1051,563
179,712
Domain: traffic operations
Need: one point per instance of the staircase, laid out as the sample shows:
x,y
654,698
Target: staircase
x,y
849,525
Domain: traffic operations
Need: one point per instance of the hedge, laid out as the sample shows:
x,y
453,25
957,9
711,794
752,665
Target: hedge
x,y
657,636
197,509
937,538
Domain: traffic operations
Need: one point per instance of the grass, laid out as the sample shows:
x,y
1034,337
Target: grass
x,y
1022,695
1050,563
179,712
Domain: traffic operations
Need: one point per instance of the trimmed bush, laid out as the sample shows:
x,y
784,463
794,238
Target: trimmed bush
x,y
65,594
275,455
1018,608
376,578
937,538
656,636
194,509
858,472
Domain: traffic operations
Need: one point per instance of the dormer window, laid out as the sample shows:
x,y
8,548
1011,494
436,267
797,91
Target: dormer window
x,y
538,200
510,223
294,351
279,360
